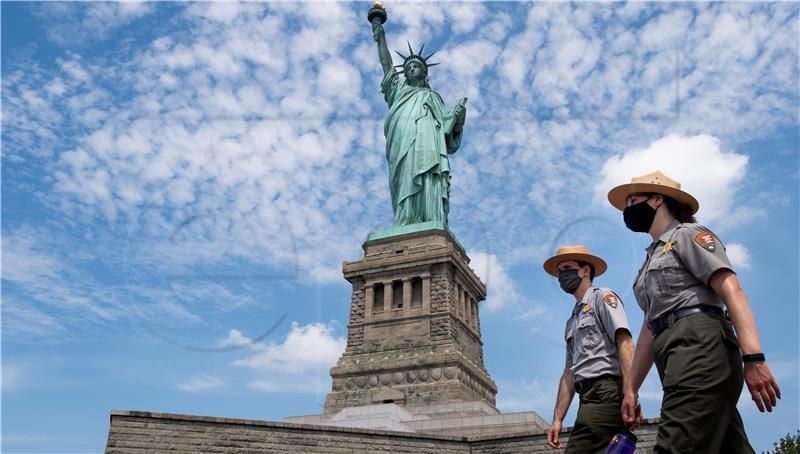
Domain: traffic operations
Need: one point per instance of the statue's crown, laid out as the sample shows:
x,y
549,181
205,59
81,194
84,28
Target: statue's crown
x,y
416,56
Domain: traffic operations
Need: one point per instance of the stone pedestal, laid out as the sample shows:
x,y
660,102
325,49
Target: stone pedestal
x,y
414,334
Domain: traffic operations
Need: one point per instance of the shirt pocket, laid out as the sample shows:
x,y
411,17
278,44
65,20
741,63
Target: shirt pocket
x,y
666,275
587,331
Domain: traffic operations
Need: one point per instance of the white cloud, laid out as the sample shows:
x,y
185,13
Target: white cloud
x,y
235,339
201,383
531,314
77,23
464,16
739,255
667,30
499,285
306,348
697,162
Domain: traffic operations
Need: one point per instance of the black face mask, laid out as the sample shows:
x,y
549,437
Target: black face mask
x,y
569,280
639,217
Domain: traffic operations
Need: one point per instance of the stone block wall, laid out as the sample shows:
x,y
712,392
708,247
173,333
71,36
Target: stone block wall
x,y
441,292
135,432
143,432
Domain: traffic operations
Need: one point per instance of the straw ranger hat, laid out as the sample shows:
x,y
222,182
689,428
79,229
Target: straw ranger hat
x,y
579,253
655,182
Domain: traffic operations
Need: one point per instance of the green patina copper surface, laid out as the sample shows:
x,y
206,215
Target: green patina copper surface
x,y
420,134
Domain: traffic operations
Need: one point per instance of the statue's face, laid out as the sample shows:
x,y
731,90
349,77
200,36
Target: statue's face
x,y
415,70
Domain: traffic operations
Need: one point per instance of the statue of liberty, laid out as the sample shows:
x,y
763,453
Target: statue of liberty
x,y
420,133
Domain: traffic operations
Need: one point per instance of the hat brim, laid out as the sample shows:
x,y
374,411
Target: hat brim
x,y
618,197
551,264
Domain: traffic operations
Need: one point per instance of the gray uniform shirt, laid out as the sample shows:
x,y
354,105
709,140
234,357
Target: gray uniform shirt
x,y
590,334
677,270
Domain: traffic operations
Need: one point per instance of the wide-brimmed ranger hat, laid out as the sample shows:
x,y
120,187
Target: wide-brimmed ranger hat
x,y
577,252
655,182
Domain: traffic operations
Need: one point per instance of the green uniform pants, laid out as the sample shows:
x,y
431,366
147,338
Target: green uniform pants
x,y
700,366
598,419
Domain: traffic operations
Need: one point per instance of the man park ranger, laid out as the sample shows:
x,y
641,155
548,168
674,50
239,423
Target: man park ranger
x,y
599,353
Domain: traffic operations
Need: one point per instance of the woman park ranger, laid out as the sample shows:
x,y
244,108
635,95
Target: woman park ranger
x,y
684,287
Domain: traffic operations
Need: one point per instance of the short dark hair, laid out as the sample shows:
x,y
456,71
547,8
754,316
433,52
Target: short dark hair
x,y
591,268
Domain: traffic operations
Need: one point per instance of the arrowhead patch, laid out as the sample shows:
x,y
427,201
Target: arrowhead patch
x,y
706,241
611,299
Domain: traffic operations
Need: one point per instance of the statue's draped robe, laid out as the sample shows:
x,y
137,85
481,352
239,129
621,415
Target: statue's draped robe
x,y
419,134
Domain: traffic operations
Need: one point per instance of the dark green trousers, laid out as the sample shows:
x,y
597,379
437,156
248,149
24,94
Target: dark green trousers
x,y
598,419
700,366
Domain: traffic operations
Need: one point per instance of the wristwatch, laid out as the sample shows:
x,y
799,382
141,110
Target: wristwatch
x,y
754,358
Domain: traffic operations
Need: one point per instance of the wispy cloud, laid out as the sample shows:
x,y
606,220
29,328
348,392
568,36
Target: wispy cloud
x,y
43,292
201,383
71,24
55,290
532,313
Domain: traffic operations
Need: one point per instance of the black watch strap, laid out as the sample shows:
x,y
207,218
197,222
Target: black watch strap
x,y
754,358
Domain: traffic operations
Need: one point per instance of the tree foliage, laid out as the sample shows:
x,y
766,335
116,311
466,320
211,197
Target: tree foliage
x,y
788,444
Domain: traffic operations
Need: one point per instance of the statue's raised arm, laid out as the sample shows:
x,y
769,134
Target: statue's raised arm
x,y
377,16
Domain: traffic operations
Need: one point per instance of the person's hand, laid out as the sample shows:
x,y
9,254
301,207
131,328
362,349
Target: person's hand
x,y
631,410
553,434
377,30
762,385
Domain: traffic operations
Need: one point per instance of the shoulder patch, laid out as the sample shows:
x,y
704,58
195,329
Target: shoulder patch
x,y
706,240
611,299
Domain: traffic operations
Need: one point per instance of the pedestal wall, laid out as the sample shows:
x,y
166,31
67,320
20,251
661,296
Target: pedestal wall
x,y
137,432
414,326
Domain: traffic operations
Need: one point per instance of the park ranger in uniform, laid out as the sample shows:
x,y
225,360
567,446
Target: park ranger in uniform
x,y
599,353
684,287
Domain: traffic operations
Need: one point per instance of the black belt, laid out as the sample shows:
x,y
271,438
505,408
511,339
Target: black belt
x,y
585,384
665,321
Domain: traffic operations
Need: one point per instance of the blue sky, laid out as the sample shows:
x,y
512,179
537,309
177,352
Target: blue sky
x,y
181,183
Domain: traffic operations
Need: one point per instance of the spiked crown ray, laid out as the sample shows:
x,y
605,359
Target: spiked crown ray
x,y
415,56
